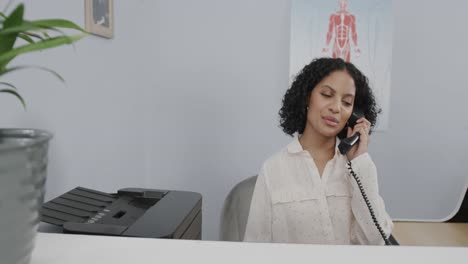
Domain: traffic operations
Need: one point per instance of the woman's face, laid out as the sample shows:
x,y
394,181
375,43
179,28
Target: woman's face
x,y
331,104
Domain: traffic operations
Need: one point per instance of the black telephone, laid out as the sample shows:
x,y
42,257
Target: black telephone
x,y
344,146
347,143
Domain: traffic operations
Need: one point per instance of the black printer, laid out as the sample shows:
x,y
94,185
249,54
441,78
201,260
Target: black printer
x,y
132,212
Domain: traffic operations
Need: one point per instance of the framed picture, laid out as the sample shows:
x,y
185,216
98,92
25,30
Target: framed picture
x,y
99,17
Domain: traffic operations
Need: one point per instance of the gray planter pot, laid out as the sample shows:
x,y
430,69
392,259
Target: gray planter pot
x,y
23,170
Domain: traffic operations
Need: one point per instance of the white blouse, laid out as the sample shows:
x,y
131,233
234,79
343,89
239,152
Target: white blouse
x,y
291,203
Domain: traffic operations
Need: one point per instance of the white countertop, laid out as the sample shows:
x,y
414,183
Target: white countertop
x,y
79,249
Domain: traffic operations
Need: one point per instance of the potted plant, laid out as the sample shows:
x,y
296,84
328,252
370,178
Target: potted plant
x,y
23,152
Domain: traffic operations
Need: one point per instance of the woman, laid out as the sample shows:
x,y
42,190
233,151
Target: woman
x,y
305,193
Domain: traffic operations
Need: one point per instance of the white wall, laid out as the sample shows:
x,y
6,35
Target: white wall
x,y
422,157
187,93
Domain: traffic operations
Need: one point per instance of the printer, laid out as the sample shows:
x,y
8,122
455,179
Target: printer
x,y
132,212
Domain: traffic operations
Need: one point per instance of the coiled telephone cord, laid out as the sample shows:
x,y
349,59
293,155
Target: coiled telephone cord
x,y
371,211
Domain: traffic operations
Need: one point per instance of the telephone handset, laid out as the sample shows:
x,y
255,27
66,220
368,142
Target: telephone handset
x,y
344,146
347,143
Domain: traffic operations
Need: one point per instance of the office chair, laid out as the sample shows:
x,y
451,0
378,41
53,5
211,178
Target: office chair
x,y
236,211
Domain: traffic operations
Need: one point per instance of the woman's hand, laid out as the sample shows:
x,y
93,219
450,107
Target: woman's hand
x,y
362,126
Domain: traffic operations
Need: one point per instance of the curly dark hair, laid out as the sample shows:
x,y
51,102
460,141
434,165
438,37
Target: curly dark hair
x,y
293,113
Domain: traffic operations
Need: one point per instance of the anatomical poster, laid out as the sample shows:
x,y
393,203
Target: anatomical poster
x,y
358,31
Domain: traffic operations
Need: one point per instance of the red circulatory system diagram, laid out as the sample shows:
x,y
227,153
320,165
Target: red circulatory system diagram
x,y
342,27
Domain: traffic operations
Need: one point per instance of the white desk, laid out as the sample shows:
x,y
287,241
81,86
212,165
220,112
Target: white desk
x,y
79,249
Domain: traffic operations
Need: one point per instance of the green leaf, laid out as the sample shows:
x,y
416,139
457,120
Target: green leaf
x,y
57,23
41,45
28,26
26,38
9,70
23,27
17,95
7,42
8,84
50,24
30,34
16,18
